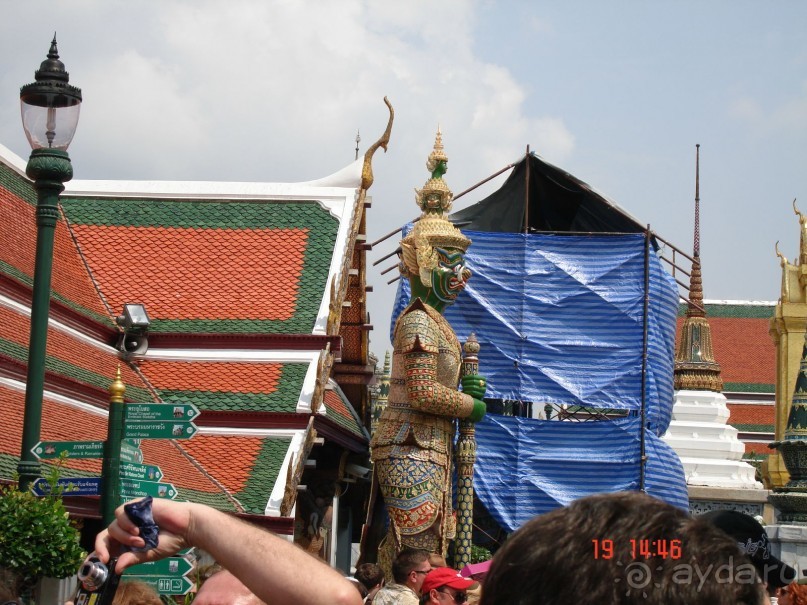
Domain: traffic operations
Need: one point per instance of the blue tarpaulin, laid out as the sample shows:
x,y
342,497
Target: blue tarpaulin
x,y
525,467
561,320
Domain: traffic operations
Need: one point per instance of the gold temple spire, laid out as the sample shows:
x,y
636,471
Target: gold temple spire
x,y
695,365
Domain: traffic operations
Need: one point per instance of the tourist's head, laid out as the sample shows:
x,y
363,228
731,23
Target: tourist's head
x,y
371,576
410,567
624,548
752,539
223,588
136,593
445,586
437,560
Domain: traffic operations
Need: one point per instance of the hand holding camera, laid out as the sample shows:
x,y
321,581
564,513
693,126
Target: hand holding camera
x,y
98,579
97,582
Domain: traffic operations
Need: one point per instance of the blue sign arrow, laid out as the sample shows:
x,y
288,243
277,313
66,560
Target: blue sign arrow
x,y
71,486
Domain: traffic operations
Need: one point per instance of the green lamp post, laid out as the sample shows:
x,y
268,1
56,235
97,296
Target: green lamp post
x,y
50,110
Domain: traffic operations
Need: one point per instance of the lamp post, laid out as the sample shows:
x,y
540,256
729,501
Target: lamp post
x,y
50,109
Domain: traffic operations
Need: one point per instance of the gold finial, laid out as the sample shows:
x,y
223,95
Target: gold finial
x,y
471,346
117,388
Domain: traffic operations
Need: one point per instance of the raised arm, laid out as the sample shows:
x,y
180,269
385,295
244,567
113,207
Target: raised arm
x,y
275,570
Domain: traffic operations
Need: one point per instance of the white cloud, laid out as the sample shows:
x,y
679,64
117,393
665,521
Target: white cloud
x,y
250,90
275,91
136,102
787,117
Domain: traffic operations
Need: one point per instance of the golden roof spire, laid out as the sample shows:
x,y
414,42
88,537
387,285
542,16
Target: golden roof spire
x,y
695,365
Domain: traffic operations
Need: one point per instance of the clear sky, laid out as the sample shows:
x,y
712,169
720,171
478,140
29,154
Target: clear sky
x,y
617,93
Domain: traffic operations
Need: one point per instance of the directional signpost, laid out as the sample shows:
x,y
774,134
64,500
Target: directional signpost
x,y
150,412
130,489
172,566
51,450
71,486
166,576
124,476
181,585
130,453
182,429
146,472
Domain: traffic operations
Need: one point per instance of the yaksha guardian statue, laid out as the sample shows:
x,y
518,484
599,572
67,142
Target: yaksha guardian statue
x,y
412,446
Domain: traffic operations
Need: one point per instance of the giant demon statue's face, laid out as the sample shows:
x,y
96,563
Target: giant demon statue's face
x,y
450,275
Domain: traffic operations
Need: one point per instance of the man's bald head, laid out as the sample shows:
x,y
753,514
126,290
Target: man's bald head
x,y
223,588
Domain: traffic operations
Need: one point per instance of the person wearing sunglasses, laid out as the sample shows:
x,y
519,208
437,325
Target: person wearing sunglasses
x,y
409,570
445,586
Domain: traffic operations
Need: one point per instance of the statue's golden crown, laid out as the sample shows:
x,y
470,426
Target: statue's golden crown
x,y
432,229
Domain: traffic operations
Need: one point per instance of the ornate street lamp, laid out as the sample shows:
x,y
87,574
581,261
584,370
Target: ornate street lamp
x,y
50,109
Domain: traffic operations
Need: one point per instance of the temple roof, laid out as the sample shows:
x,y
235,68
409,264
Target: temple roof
x,y
223,266
236,279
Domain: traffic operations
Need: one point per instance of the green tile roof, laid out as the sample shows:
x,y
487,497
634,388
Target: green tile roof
x,y
263,476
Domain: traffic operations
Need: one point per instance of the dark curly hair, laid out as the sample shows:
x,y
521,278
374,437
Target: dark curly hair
x,y
551,559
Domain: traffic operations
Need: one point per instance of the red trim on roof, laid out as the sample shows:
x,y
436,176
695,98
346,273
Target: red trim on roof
x,y
283,526
292,342
252,420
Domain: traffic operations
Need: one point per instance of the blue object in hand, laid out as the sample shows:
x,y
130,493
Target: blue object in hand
x,y
140,514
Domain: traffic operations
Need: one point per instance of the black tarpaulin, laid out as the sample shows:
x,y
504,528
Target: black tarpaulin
x,y
558,201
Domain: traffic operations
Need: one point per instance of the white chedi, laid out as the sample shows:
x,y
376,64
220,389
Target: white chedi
x,y
708,447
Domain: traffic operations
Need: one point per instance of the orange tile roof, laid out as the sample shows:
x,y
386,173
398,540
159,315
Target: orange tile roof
x,y
70,281
337,409
752,414
69,356
228,458
219,266
216,376
228,385
209,266
197,273
743,349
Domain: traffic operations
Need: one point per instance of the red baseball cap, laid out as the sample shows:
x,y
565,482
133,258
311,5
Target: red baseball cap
x,y
445,576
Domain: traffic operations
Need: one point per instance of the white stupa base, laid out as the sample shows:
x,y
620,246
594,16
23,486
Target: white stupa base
x,y
705,440
710,449
720,473
700,406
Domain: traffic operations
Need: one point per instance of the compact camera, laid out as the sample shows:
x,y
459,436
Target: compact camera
x,y
97,582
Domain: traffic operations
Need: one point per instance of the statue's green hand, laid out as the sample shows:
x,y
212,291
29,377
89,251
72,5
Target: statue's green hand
x,y
474,385
479,411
